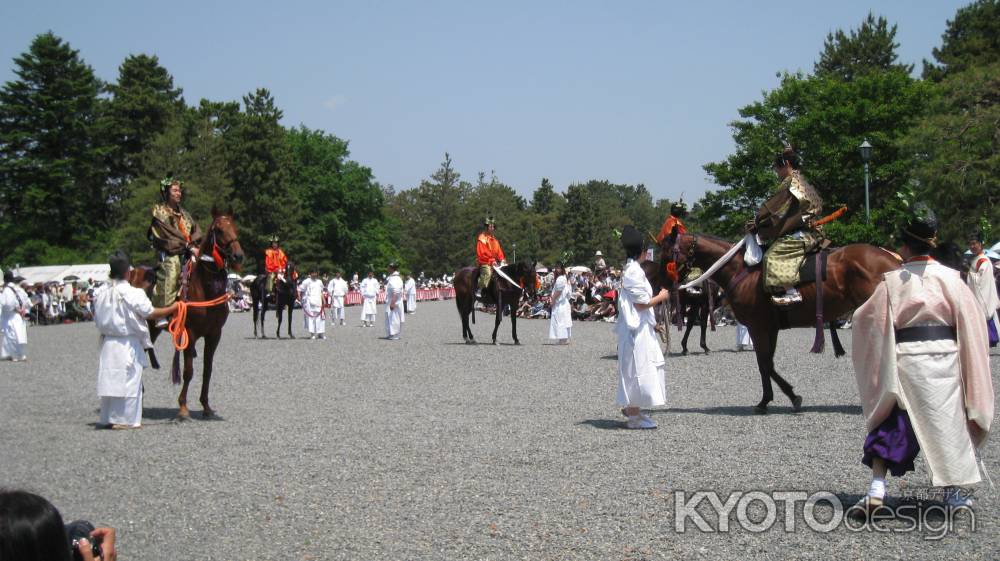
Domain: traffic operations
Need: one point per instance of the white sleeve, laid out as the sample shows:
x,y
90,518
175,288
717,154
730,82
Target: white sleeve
x,y
137,301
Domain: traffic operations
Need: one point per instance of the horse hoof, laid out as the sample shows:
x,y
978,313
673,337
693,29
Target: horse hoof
x,y
760,408
516,342
291,336
207,414
684,352
797,403
494,342
182,417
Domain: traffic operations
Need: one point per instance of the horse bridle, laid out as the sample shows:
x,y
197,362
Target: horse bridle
x,y
223,251
684,268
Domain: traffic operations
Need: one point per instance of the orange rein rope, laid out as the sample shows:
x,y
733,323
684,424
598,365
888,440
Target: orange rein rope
x,y
177,327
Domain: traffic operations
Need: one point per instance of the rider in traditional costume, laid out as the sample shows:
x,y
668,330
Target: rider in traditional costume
x,y
275,262
923,369
678,211
488,255
174,235
786,223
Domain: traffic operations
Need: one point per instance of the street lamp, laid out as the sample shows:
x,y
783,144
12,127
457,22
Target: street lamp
x,y
514,259
866,154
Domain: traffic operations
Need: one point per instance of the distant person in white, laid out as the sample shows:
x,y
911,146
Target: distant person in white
x,y
14,306
560,319
984,287
393,304
641,381
337,289
410,289
369,295
311,297
743,340
120,314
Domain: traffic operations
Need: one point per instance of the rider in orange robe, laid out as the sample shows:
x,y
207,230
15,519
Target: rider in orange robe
x,y
678,211
275,262
488,253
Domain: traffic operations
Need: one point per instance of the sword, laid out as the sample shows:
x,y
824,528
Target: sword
x,y
504,275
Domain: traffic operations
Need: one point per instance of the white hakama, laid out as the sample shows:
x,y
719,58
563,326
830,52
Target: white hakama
x,y
13,303
369,295
411,296
119,314
337,290
641,381
561,320
743,340
393,315
312,306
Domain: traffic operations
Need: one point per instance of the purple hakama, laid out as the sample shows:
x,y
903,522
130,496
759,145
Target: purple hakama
x,y
894,441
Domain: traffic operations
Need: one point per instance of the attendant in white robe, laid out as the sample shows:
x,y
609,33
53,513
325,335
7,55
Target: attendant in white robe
x,y
743,340
337,289
922,368
14,307
311,297
369,299
393,304
641,380
560,317
410,289
120,315
984,287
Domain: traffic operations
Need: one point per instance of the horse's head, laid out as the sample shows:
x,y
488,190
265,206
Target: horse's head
x,y
223,241
676,256
530,280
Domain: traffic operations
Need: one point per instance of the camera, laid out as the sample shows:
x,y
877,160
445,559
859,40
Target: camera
x,y
76,531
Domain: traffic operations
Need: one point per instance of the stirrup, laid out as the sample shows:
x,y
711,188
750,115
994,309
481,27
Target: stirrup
x,y
787,299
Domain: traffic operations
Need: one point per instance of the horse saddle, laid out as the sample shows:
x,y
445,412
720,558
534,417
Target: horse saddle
x,y
813,267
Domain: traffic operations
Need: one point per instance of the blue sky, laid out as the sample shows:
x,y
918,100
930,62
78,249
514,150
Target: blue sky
x,y
632,92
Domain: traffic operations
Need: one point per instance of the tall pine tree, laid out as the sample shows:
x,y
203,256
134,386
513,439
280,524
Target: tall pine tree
x,y
53,179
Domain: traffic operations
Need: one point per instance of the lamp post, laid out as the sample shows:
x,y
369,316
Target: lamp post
x,y
514,253
866,154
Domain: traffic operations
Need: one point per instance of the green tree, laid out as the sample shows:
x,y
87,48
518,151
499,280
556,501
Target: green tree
x,y
547,208
869,48
341,203
956,151
971,39
259,160
53,189
825,120
593,213
434,239
144,102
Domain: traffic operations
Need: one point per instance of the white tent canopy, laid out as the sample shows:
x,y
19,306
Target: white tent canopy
x,y
56,273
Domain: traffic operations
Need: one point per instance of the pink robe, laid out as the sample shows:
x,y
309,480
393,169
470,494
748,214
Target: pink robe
x,y
941,384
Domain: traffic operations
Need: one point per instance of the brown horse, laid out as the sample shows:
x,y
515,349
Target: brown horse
x,y
853,272
501,292
207,281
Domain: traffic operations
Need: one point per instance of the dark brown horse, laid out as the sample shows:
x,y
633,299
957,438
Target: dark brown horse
x,y
500,292
853,272
207,281
284,296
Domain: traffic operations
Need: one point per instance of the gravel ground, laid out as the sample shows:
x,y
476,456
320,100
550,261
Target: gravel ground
x,y
425,448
